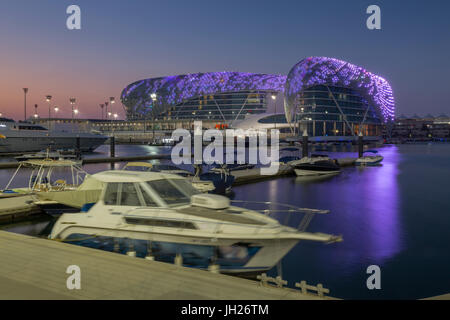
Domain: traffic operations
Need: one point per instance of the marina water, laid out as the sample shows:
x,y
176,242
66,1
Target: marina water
x,y
395,216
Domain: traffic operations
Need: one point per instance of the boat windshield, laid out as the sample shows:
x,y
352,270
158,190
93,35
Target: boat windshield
x,y
174,192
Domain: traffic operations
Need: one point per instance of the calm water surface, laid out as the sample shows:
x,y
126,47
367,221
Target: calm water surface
x,y
396,216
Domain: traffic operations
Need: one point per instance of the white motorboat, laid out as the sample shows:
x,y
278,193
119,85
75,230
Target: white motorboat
x,y
200,185
18,137
73,188
42,176
162,217
369,160
316,165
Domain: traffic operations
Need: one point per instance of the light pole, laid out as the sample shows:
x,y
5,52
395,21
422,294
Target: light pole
x,y
48,98
72,103
25,91
35,111
102,106
107,113
154,97
274,98
111,102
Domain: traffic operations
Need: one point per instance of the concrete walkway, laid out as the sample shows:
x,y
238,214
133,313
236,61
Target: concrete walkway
x,y
33,268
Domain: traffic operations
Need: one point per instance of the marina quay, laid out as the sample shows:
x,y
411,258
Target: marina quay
x,y
237,159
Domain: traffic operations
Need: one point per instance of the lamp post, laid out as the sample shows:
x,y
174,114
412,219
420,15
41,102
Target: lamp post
x,y
102,106
35,111
25,91
274,98
72,103
153,96
111,102
48,98
56,109
107,113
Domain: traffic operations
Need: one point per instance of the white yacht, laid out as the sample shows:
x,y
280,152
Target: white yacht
x,y
162,217
17,137
369,160
316,165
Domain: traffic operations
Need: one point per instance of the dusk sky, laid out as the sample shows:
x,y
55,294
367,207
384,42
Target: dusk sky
x,y
124,41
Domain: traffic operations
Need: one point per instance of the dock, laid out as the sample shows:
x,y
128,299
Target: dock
x,y
17,208
35,268
15,164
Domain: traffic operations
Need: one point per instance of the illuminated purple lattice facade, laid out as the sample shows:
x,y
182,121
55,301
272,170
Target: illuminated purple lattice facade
x,y
174,90
166,96
315,71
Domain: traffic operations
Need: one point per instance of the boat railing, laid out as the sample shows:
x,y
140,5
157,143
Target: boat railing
x,y
286,214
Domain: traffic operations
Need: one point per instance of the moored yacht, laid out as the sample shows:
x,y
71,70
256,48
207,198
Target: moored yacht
x,y
316,165
162,217
17,137
369,160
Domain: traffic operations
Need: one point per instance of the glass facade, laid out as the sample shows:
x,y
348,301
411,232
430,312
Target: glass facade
x,y
335,111
220,106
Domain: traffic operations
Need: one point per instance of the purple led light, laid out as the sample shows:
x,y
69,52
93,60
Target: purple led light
x,y
174,90
329,71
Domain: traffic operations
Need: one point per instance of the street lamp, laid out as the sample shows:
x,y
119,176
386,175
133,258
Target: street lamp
x,y
274,97
111,102
153,96
72,103
102,106
35,111
48,98
25,91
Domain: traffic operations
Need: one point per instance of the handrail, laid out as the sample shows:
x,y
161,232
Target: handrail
x,y
293,208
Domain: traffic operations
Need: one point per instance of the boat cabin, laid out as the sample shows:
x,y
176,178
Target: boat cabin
x,y
144,189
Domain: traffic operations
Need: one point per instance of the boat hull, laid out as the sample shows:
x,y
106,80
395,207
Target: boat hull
x,y
38,143
232,256
302,173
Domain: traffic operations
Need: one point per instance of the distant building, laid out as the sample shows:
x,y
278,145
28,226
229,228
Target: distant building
x,y
422,128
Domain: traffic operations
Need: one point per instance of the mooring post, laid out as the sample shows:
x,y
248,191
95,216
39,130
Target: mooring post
x,y
305,141
78,148
112,149
360,145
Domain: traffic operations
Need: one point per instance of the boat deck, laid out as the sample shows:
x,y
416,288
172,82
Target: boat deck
x,y
34,268
221,215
